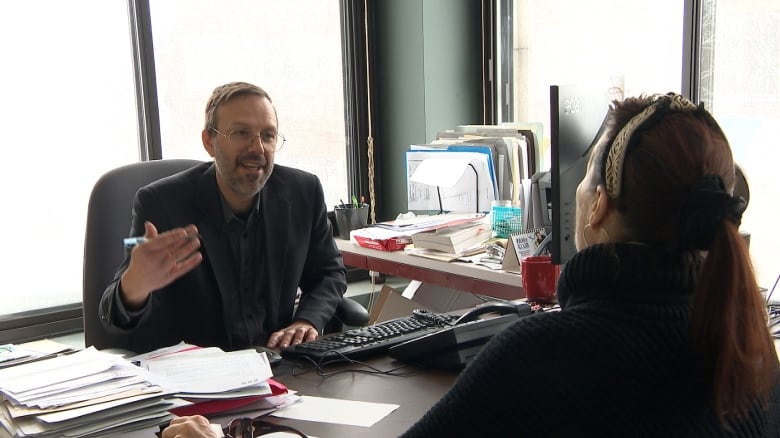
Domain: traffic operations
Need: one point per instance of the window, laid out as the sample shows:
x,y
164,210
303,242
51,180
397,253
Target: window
x,y
290,49
740,83
638,46
71,110
69,115
559,42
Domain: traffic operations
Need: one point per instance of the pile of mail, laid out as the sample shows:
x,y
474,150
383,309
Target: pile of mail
x,y
82,393
216,382
96,393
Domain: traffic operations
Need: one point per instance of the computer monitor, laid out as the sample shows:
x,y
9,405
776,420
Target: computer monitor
x,y
576,115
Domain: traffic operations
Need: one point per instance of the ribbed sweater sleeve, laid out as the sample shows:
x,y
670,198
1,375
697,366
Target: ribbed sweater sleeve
x,y
617,361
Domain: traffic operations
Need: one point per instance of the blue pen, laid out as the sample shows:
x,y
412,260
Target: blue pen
x,y
131,242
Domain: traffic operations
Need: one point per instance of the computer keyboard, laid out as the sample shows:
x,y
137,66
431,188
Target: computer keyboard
x,y
372,339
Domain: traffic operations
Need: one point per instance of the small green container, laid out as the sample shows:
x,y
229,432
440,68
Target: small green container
x,y
506,220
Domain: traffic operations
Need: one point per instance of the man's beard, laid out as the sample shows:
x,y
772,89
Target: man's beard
x,y
239,181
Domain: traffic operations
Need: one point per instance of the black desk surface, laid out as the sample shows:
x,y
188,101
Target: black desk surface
x,y
414,393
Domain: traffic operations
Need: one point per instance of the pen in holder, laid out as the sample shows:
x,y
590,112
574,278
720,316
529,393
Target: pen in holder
x,y
349,217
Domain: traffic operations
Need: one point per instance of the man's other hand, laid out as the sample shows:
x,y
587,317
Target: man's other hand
x,y
195,426
295,333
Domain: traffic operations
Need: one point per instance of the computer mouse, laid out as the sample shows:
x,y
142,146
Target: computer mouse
x,y
273,356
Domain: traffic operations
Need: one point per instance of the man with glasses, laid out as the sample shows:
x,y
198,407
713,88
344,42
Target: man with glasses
x,y
227,245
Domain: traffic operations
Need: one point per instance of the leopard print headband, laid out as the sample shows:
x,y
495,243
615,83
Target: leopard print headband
x,y
613,172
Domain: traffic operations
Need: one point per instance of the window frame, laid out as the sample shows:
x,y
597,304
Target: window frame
x,y
359,104
690,79
68,319
356,42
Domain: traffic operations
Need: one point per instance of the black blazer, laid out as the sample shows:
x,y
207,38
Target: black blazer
x,y
300,252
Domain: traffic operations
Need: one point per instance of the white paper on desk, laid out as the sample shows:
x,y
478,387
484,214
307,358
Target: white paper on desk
x,y
46,346
128,403
161,353
406,228
22,411
377,233
90,393
177,352
58,369
90,422
210,373
44,365
114,375
331,410
262,388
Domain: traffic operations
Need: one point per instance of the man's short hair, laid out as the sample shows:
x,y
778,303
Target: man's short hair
x,y
223,94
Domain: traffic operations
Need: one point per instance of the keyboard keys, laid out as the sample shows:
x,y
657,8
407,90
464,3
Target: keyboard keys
x,y
371,339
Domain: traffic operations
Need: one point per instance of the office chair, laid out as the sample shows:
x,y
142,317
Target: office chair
x,y
108,221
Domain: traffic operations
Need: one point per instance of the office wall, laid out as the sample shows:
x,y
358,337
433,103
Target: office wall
x,y
428,78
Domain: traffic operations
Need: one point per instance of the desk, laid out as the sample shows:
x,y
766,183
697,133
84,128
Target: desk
x,y
455,275
414,394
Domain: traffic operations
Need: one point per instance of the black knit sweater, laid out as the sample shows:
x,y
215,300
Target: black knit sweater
x,y
616,361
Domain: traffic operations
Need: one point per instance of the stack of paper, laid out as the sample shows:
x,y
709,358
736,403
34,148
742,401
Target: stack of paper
x,y
456,180
11,354
84,393
215,381
396,235
455,239
502,159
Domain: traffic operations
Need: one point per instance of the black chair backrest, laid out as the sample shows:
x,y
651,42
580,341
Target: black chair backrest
x,y
108,221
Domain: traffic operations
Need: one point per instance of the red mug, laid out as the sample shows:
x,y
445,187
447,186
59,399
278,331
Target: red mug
x,y
540,278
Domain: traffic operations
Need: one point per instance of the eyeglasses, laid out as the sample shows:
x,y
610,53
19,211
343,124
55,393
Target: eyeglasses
x,y
246,427
240,137
253,427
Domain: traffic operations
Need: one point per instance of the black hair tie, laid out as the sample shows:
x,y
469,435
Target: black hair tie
x,y
706,205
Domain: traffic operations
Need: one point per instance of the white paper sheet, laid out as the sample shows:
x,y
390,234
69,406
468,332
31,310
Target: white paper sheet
x,y
59,369
331,410
211,372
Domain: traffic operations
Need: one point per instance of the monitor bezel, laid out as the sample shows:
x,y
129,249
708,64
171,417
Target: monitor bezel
x,y
577,113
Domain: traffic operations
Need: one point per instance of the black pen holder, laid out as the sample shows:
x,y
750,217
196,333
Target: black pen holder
x,y
350,218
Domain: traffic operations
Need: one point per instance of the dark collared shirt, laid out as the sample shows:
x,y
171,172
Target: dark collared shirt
x,y
245,235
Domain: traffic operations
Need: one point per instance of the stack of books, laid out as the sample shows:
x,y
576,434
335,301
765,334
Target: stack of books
x,y
397,234
458,239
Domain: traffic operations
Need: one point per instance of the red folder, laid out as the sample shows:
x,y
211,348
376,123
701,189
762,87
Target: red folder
x,y
217,406
392,244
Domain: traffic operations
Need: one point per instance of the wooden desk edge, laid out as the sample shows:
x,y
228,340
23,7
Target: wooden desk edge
x,y
456,275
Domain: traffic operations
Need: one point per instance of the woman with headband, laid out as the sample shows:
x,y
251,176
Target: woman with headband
x,y
662,330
